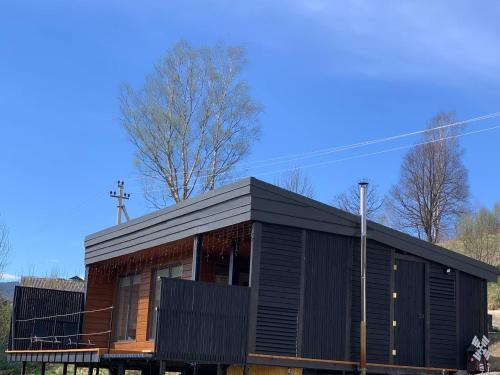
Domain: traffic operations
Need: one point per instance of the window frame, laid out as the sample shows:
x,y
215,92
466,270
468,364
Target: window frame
x,y
152,294
131,277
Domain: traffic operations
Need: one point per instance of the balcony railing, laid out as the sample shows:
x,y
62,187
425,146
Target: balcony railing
x,y
47,319
202,322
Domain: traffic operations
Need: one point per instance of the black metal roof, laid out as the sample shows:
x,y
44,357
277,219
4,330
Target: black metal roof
x,y
252,199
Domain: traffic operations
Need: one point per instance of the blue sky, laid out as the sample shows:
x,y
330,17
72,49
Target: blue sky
x,y
327,73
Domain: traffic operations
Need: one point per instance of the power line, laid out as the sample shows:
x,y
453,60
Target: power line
x,y
326,151
362,155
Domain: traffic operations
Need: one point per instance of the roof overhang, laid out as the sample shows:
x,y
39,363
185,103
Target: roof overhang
x,y
255,200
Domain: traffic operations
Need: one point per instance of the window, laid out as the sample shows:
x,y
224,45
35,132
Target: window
x,y
126,312
173,272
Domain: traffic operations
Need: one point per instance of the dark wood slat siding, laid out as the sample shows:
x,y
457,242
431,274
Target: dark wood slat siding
x,y
443,319
210,211
409,312
327,278
31,303
275,205
429,251
472,311
279,290
378,275
201,321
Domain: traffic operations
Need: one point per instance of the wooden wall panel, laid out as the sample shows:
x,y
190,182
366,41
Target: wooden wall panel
x,y
378,301
101,292
202,321
472,311
325,332
100,295
30,303
443,317
279,290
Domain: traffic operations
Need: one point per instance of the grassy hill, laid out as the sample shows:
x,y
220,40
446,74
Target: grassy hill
x,y
493,288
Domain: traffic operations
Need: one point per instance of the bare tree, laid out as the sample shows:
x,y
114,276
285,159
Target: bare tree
x,y
432,190
4,248
191,121
479,235
297,182
349,200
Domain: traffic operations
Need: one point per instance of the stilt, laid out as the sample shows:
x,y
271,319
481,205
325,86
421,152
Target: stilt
x,y
75,367
42,370
91,370
121,369
23,369
219,369
65,369
97,370
162,368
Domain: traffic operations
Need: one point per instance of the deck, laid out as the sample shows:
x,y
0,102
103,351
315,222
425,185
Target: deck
x,y
93,355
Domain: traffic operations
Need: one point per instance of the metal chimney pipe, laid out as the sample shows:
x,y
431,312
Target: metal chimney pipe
x,y
363,188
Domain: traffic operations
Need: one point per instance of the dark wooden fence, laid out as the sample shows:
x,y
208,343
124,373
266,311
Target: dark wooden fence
x,y
202,322
45,318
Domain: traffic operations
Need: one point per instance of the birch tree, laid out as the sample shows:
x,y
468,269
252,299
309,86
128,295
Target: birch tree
x,y
191,122
349,200
432,191
297,182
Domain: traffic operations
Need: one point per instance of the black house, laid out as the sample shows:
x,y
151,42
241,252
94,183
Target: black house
x,y
253,278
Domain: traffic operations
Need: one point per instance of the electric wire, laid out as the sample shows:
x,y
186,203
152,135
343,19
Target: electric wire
x,y
330,150
358,156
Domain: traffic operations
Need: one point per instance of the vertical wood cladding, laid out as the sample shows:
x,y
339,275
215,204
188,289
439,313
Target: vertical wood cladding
x,y
326,295
472,311
279,290
100,295
101,290
201,321
32,303
409,312
443,317
378,286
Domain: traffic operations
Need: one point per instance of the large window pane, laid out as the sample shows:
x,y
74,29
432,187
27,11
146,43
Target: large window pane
x,y
174,272
126,310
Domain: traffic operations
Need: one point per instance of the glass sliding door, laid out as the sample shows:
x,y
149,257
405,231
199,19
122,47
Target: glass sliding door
x,y
170,272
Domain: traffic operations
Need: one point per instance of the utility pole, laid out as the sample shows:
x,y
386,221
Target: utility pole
x,y
120,207
362,329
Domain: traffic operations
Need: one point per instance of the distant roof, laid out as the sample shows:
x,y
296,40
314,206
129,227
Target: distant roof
x,y
253,200
69,285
